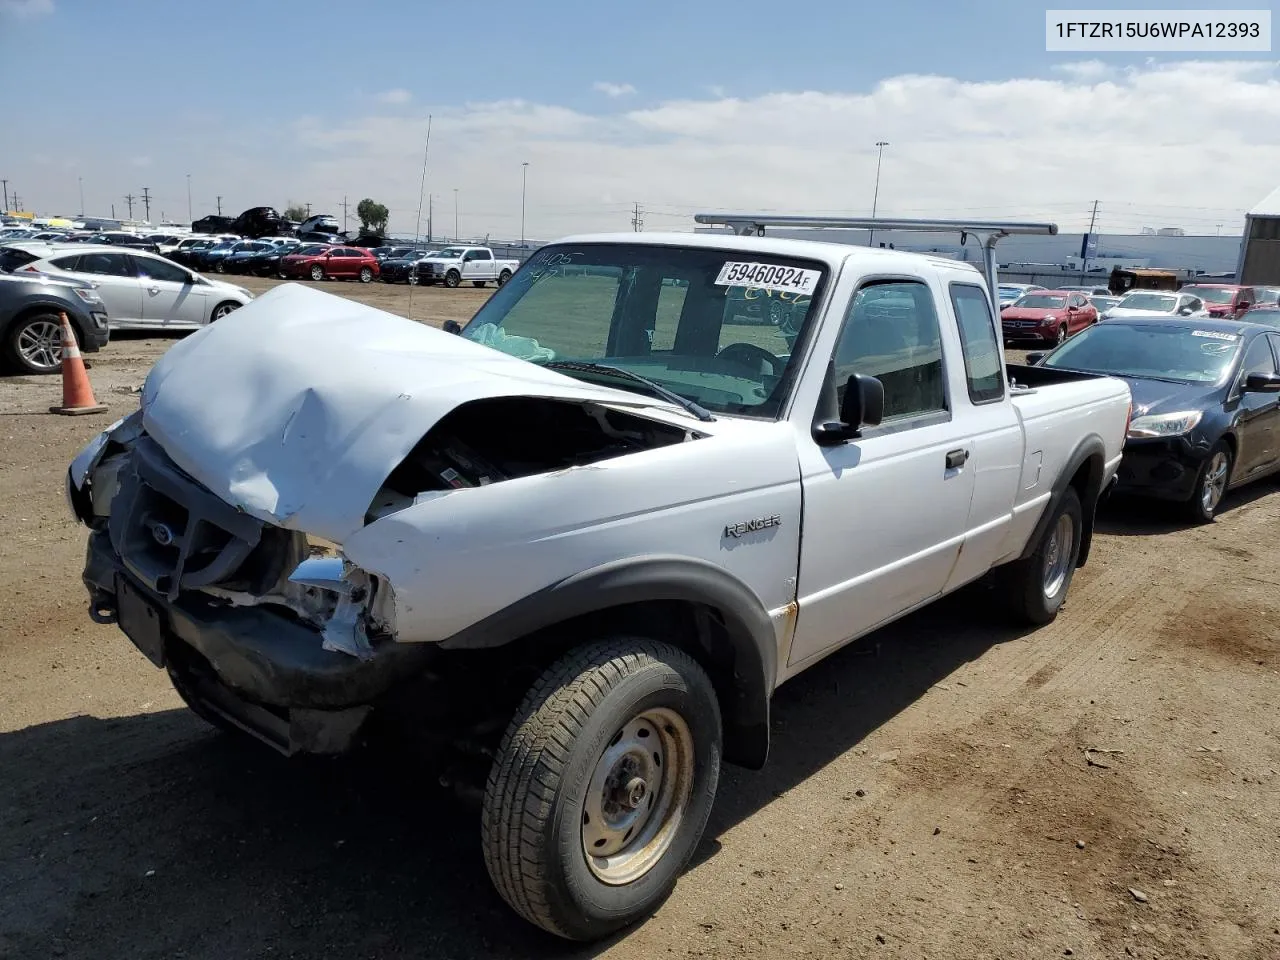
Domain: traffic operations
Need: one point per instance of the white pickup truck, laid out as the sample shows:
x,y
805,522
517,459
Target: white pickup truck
x,y
580,541
453,265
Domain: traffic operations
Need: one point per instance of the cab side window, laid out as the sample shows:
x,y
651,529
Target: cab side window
x,y
983,368
891,333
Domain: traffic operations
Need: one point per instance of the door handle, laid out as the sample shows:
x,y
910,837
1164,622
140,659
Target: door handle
x,y
153,290
956,459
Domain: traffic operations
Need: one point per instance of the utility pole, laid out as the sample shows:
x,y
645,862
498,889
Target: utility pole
x,y
146,199
219,205
129,198
524,186
189,216
6,193
308,211
1219,229
875,197
344,213
80,180
1084,249
455,213
637,221
17,202
430,213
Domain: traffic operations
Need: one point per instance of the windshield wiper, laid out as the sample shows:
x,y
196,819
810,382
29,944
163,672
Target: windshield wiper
x,y
585,366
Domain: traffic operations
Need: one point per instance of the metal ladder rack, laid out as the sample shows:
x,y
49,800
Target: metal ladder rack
x,y
987,232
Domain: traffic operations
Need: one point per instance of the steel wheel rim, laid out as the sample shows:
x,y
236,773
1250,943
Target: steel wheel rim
x,y
637,796
1215,482
40,344
1057,558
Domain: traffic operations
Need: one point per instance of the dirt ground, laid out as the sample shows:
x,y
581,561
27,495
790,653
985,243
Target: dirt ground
x,y
1105,787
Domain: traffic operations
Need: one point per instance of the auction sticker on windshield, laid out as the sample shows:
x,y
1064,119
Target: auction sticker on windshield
x,y
768,276
1215,334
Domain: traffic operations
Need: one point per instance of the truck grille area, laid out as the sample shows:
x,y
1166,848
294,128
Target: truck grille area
x,y
174,535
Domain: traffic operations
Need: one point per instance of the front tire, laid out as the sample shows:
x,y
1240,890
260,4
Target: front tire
x,y
1036,586
602,786
452,279
317,273
1062,335
222,309
1211,485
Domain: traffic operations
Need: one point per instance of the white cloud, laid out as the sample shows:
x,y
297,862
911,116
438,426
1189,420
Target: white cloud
x,y
395,96
25,9
1177,144
613,89
1085,71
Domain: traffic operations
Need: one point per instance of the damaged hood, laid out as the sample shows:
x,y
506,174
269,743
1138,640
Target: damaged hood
x,y
296,407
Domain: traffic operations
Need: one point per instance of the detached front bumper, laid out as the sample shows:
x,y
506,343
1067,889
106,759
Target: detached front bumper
x,y
261,670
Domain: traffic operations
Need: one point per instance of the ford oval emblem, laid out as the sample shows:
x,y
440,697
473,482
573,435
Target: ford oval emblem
x,y
162,534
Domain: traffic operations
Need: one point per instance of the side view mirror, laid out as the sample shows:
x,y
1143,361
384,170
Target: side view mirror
x,y
862,406
1185,312
1262,383
451,326
1072,308
1033,359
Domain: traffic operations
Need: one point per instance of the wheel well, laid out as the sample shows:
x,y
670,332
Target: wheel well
x,y
1230,440
52,308
697,628
1087,482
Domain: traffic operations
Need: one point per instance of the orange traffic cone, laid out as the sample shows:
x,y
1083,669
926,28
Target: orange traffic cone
x,y
77,394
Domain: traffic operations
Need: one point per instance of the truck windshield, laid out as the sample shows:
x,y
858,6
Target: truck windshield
x,y
718,327
1153,350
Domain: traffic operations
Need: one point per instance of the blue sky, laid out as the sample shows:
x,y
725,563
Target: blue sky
x,y
672,105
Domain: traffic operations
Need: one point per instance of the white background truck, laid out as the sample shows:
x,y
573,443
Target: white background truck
x,y
454,265
580,543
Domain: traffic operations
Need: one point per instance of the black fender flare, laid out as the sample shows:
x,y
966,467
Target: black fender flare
x,y
1093,452
744,671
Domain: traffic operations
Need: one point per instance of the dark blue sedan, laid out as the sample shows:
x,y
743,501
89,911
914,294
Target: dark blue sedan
x,y
1206,403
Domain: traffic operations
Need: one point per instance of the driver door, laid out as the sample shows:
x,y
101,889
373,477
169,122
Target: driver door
x,y
168,296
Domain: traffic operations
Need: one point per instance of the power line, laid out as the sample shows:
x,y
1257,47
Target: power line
x,y
129,198
637,220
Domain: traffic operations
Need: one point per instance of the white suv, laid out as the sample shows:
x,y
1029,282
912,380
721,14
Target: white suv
x,y
143,291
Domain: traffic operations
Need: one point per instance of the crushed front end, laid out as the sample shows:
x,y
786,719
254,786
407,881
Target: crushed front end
x,y
260,628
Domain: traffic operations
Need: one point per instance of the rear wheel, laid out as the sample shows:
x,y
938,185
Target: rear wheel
x,y
1036,586
602,786
366,275
1211,485
34,344
503,277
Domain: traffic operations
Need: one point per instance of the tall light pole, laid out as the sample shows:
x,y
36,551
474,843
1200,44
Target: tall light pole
x,y
455,213
80,180
189,216
875,197
524,185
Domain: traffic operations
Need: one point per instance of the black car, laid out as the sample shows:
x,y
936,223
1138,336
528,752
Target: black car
x,y
397,265
1206,403
261,263
260,222
212,224
189,255
132,240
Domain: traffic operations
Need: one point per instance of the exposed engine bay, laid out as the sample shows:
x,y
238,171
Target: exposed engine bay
x,y
504,438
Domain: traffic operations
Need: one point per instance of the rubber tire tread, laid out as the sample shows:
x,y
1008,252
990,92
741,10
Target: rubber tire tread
x,y
1024,579
520,793
1192,509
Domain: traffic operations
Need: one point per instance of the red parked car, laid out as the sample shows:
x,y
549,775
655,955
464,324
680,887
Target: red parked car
x,y
335,263
1047,316
1226,301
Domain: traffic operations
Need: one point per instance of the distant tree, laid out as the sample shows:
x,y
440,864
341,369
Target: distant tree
x,y
295,211
373,217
